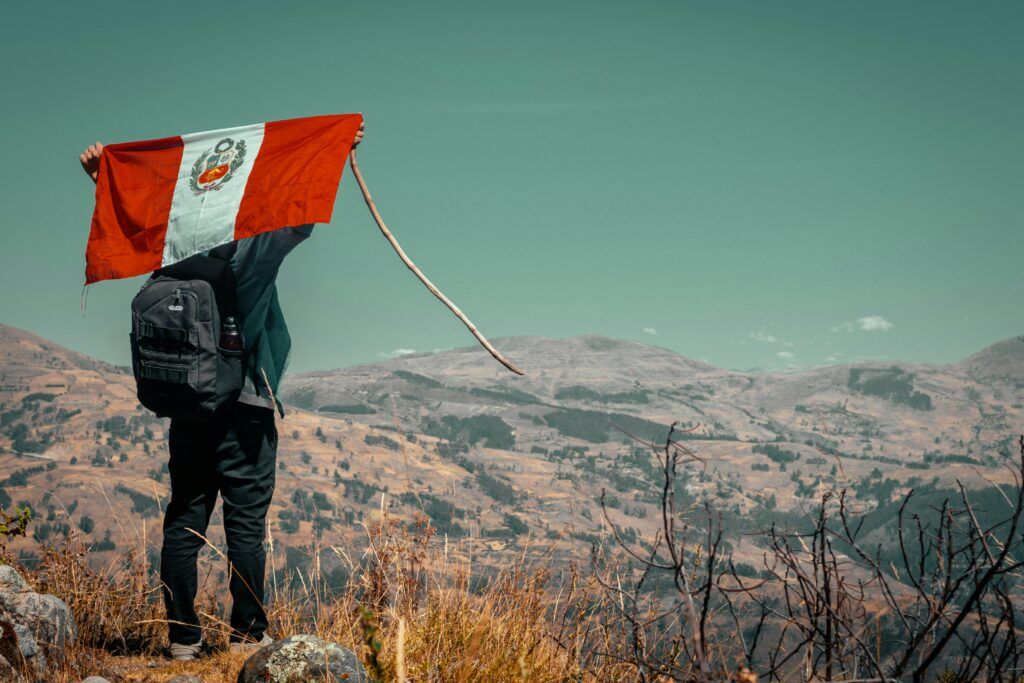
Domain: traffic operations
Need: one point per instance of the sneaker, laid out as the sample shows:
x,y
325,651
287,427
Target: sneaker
x,y
186,653
251,646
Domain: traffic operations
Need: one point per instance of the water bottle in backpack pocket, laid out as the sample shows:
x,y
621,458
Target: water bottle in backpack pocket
x,y
186,346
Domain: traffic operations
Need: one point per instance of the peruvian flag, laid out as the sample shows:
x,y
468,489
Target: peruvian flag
x,y
161,201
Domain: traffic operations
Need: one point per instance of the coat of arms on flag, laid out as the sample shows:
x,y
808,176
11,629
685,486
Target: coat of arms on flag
x,y
216,166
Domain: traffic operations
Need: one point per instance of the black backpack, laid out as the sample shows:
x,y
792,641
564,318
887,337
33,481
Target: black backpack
x,y
180,369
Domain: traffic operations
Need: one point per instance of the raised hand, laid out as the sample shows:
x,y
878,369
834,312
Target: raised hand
x,y
90,159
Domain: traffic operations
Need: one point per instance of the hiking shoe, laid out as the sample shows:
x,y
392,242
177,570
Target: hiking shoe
x,y
251,646
186,653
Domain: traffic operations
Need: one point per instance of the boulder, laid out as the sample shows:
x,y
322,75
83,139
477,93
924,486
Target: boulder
x,y
302,658
185,678
33,626
95,679
10,580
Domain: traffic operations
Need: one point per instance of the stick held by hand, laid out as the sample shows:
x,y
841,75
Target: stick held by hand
x,y
418,273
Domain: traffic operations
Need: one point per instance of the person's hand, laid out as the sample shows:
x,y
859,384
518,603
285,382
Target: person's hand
x,y
359,134
90,159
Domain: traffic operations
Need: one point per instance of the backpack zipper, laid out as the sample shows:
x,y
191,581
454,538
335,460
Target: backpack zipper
x,y
176,305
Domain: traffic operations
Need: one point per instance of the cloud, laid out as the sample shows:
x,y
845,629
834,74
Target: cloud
x,y
870,323
767,337
784,354
874,322
395,353
650,330
763,336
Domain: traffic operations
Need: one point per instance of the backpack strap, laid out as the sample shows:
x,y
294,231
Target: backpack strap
x,y
162,374
168,334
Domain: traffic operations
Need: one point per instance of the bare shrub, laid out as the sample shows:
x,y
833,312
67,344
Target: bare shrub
x,y
827,605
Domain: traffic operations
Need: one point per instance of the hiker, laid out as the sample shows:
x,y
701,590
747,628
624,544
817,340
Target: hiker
x,y
233,454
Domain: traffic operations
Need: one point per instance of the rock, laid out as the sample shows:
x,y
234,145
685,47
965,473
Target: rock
x,y
185,678
48,618
302,658
33,627
95,679
11,581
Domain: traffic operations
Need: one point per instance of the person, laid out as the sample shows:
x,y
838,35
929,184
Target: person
x,y
234,454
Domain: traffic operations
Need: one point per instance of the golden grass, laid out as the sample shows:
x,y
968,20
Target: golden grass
x,y
409,610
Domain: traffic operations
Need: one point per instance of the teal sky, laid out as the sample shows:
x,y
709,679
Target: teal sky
x,y
753,184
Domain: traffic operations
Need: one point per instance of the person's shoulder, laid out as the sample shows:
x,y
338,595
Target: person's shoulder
x,y
288,235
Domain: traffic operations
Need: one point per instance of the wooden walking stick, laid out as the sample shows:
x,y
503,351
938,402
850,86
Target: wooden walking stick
x,y
418,273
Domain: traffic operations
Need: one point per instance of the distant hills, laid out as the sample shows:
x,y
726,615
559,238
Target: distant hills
x,y
907,409
500,459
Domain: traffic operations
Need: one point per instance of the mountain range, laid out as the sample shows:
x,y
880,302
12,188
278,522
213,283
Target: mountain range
x,y
500,461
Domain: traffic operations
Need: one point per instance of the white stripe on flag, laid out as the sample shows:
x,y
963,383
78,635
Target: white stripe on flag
x,y
204,207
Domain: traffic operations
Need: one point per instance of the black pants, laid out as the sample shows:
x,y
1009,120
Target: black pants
x,y
234,455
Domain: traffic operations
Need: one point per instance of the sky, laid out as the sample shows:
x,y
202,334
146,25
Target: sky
x,y
770,185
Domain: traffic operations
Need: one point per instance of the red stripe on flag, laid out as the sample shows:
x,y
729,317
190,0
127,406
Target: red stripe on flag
x,y
133,200
295,177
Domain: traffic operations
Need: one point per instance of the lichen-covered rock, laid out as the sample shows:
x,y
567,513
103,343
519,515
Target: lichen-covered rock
x,y
33,627
48,618
302,659
10,580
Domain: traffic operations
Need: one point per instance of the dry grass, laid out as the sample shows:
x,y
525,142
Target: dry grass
x,y
411,610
